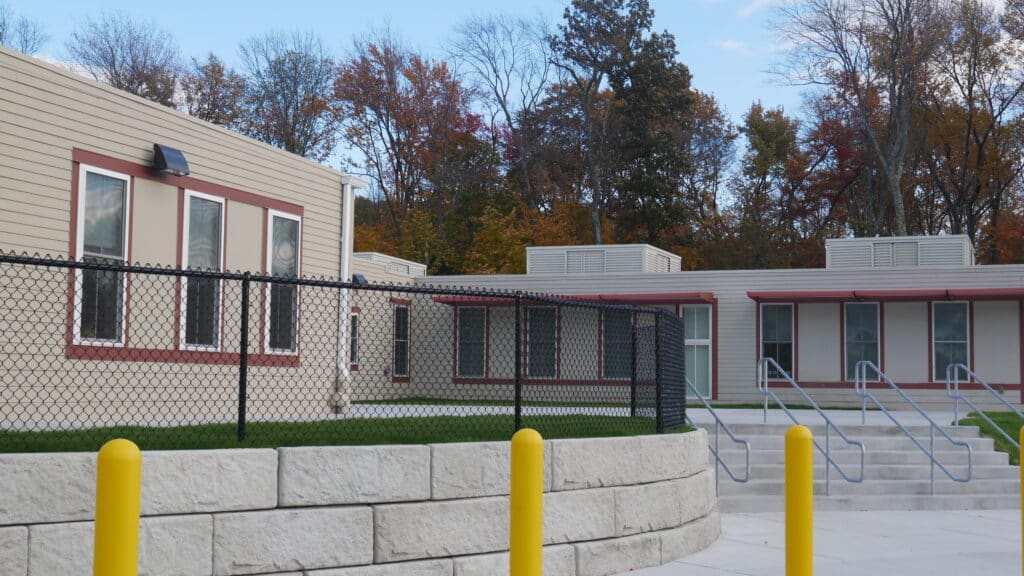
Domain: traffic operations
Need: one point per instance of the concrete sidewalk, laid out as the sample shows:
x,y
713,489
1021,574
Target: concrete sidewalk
x,y
864,544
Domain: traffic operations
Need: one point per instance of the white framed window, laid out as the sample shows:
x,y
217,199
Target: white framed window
x,y
104,207
951,337
472,341
541,342
777,337
202,249
400,341
617,343
353,339
697,331
284,237
861,336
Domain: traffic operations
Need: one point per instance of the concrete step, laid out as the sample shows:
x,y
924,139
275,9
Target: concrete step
x,y
735,457
752,504
943,485
890,472
855,432
871,443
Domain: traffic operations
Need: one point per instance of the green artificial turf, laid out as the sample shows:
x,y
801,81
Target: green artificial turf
x,y
354,431
1007,421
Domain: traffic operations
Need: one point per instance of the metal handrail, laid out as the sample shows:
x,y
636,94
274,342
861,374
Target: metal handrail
x,y
719,423
763,366
860,387
953,391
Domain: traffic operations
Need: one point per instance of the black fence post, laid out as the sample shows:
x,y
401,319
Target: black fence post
x,y
632,367
659,417
243,358
518,363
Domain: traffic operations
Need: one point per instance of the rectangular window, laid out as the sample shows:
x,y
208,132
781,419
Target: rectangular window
x,y
861,336
400,347
102,237
697,325
617,343
472,341
353,340
541,342
203,236
777,336
950,336
283,254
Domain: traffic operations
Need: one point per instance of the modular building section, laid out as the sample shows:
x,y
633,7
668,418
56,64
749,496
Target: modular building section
x,y
816,322
77,180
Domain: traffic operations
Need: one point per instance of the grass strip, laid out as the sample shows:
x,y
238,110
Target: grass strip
x,y
1007,422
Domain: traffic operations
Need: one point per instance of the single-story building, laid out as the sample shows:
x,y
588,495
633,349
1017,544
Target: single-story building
x,y
95,174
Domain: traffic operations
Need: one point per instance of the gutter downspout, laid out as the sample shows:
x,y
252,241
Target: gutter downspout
x,y
341,399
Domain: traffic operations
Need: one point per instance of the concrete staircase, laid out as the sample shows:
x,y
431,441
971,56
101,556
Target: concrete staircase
x,y
896,472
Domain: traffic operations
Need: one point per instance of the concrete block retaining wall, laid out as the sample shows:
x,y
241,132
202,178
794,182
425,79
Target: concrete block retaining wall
x,y
611,505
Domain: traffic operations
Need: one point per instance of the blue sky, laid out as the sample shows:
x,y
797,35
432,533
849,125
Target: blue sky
x,y
726,43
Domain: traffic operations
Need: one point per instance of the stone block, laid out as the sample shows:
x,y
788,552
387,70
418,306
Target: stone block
x,y
442,567
671,456
319,476
14,551
558,561
168,546
475,470
697,494
648,507
39,488
690,538
193,481
605,557
284,540
439,529
594,463
578,515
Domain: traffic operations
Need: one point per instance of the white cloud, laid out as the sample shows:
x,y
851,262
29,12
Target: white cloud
x,y
731,45
757,5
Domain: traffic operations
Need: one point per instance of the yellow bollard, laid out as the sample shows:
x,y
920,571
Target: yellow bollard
x,y
799,502
526,537
118,491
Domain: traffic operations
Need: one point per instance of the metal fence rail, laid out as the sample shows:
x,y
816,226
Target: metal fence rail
x,y
176,358
953,377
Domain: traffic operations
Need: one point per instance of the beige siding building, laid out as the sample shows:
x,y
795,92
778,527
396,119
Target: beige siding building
x,y
78,180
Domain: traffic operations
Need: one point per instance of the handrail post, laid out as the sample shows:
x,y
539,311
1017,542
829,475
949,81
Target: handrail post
x,y
243,358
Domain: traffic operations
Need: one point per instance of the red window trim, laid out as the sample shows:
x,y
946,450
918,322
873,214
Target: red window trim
x,y
125,352
487,342
526,344
796,335
842,336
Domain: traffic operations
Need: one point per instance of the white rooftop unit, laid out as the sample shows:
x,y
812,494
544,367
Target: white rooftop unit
x,y
599,259
394,264
899,252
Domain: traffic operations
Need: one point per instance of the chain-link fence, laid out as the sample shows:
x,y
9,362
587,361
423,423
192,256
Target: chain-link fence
x,y
174,359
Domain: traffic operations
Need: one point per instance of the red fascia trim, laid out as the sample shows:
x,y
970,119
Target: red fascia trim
x,y
887,295
786,297
650,298
542,382
353,367
142,171
473,301
986,293
400,301
355,310
84,352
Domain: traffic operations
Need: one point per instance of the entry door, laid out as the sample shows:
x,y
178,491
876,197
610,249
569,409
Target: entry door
x,y
697,320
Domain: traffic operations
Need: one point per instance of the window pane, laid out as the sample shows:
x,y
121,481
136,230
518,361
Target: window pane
x,y
401,341
950,321
541,337
353,345
102,303
204,234
284,260
202,311
472,324
861,335
698,367
401,358
401,323
283,300
698,322
617,343
949,353
104,216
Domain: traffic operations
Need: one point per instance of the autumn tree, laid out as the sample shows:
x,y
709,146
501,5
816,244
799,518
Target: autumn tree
x,y
288,101
499,245
131,55
213,92
19,32
868,47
